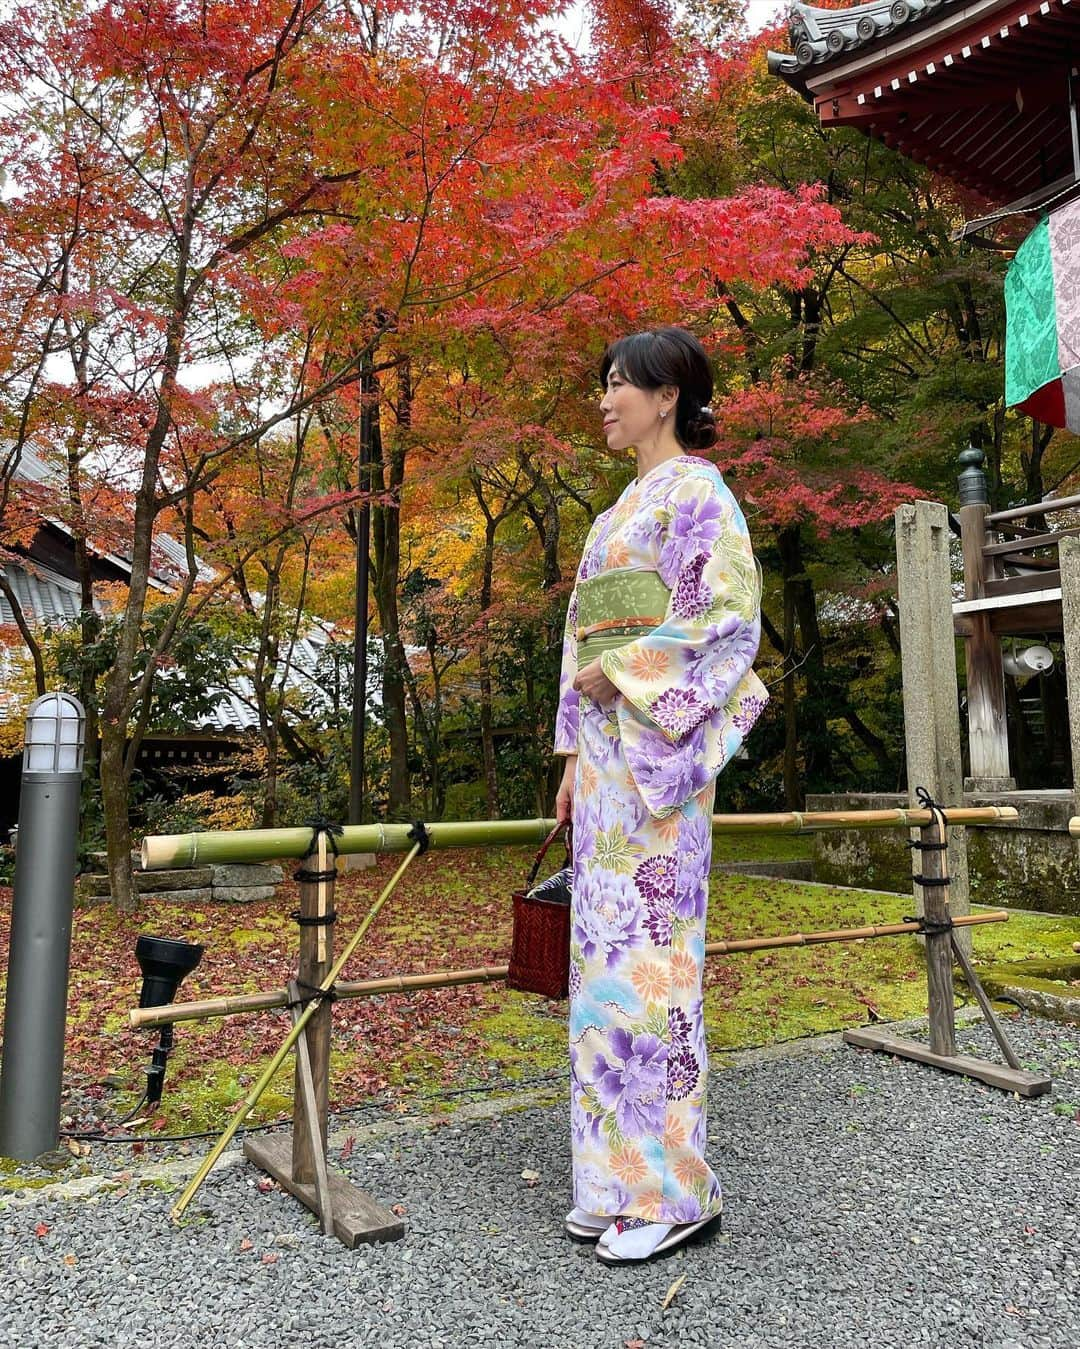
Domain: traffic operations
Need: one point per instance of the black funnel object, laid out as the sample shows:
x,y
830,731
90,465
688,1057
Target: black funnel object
x,y
164,963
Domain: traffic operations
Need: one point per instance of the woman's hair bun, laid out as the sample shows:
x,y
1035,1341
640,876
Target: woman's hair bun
x,y
699,431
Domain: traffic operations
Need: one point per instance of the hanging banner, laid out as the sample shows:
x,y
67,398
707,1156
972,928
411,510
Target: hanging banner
x,y
1042,305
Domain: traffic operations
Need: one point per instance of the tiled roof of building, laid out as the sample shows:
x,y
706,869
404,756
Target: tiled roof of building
x,y
976,90
44,596
49,598
168,560
819,35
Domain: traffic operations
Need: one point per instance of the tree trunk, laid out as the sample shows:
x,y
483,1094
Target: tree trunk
x,y
487,728
388,473
1031,460
114,802
532,713
816,747
270,778
793,792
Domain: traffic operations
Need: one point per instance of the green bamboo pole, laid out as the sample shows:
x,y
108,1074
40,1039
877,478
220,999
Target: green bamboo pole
x,y
141,1018
166,851
252,1098
1074,826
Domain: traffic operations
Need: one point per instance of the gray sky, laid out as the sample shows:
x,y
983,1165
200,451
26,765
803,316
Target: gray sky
x,y
762,12
574,26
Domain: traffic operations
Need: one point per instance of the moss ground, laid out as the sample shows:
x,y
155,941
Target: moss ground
x,y
453,910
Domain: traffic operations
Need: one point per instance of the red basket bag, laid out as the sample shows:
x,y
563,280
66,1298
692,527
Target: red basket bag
x,y
540,948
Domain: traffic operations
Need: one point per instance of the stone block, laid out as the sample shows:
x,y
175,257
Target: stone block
x,y
90,885
242,894
203,895
235,877
186,878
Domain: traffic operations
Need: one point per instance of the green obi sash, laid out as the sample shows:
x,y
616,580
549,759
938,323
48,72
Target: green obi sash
x,y
615,607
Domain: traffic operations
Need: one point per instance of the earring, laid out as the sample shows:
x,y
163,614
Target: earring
x,y
663,413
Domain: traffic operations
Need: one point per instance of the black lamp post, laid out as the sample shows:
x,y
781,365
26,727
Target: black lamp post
x,y
164,963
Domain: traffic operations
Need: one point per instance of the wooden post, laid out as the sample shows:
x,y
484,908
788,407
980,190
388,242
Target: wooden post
x,y
299,1165
306,1102
988,735
939,957
1069,561
928,646
316,957
941,945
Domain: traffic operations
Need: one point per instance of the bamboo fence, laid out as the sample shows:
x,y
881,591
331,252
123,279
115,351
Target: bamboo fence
x,y
166,851
202,1009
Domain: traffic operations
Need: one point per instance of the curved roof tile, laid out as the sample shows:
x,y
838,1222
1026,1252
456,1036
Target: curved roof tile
x,y
819,35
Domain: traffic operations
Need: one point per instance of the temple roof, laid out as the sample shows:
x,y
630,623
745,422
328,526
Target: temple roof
x,y
819,35
978,90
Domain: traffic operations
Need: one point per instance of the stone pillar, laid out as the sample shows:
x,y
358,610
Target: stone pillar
x,y
1069,561
928,653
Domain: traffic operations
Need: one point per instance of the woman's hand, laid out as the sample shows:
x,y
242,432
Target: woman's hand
x,y
564,798
594,683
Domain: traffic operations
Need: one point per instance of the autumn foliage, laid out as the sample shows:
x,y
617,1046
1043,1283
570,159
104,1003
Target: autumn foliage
x,y
243,247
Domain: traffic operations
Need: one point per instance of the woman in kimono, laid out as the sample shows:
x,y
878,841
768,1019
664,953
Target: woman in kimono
x,y
656,695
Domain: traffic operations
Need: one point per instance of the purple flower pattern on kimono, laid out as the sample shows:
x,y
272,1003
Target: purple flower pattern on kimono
x,y
567,718
689,694
607,922
630,1081
643,840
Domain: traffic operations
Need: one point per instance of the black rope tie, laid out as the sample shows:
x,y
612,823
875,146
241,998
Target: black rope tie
x,y
419,834
931,882
318,824
931,927
311,993
315,919
928,803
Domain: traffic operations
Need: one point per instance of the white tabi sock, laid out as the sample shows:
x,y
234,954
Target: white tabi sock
x,y
596,1221
637,1242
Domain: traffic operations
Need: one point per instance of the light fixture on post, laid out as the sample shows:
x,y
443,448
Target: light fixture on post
x,y
164,962
1032,660
43,901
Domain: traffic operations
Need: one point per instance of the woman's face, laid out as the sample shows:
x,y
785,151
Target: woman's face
x,y
632,415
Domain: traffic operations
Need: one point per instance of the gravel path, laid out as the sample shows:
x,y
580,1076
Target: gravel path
x,y
869,1202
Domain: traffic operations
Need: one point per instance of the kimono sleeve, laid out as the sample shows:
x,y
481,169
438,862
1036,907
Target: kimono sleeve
x,y
567,716
689,694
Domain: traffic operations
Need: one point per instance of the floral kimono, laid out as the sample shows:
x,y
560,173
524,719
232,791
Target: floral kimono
x,y
671,565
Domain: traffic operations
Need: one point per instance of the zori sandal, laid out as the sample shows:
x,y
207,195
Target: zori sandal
x,y
632,1239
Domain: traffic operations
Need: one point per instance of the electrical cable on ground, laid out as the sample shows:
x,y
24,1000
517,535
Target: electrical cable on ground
x,y
375,1105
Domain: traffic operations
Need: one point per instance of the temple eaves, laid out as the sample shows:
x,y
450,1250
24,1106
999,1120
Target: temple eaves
x,y
819,35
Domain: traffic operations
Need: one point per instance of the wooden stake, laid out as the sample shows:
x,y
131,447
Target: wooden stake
x,y
940,948
984,1003
939,963
251,1100
316,954
310,1103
